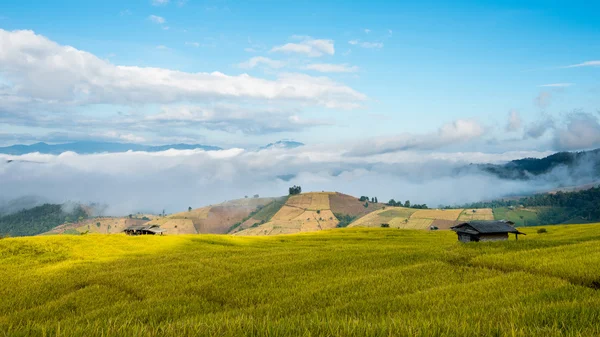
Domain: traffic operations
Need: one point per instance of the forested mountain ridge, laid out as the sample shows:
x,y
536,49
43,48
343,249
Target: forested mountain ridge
x,y
39,219
587,162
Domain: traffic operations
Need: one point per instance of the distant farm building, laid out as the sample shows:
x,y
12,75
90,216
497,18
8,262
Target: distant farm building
x,y
144,230
475,231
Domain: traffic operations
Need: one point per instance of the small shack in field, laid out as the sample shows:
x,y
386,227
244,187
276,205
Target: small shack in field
x,y
475,231
144,230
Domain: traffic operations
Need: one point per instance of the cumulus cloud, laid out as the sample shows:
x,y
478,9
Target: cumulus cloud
x,y
538,128
455,132
160,2
39,68
260,60
582,131
332,68
514,121
307,46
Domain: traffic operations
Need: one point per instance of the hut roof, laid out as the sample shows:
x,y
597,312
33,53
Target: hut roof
x,y
486,227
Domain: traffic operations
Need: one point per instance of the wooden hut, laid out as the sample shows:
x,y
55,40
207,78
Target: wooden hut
x,y
144,230
475,231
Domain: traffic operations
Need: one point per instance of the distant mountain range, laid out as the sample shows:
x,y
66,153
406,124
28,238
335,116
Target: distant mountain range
x,y
282,144
85,147
583,163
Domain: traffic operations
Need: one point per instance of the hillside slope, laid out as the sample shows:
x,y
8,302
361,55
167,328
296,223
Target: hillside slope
x,y
308,212
410,218
216,219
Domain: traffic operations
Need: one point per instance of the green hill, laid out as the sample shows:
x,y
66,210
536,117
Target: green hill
x,y
39,219
344,282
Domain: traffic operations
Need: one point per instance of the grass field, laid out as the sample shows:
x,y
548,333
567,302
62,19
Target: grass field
x,y
521,217
344,282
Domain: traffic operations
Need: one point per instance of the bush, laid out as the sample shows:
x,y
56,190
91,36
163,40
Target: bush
x,y
385,225
542,231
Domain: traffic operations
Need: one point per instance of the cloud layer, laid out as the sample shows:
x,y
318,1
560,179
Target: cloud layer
x,y
174,180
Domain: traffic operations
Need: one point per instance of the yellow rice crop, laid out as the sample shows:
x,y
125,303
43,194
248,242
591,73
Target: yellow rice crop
x,y
442,214
476,214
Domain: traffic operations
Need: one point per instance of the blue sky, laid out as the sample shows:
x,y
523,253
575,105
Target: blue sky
x,y
498,73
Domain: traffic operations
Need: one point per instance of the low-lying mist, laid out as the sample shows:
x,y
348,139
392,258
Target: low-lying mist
x,y
175,179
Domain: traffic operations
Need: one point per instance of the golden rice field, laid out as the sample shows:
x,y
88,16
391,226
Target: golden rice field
x,y
442,214
343,282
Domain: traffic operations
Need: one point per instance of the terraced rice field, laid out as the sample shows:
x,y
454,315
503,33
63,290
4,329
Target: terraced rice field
x,y
393,216
301,213
343,282
442,214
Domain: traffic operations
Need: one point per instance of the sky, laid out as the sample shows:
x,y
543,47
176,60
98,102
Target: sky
x,y
394,91
518,74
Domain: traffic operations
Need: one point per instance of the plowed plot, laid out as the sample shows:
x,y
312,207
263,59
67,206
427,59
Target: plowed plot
x,y
442,214
179,226
221,218
412,223
444,224
476,214
195,214
348,205
287,213
300,201
319,201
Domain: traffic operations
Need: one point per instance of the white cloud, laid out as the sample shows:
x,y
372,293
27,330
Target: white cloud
x,y
160,2
557,85
162,47
44,70
260,60
367,31
308,46
125,12
157,19
514,121
582,131
538,128
368,45
423,177
455,132
193,44
232,118
332,68
585,64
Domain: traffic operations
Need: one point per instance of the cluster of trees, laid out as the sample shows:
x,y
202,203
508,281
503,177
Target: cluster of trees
x,y
344,219
39,219
407,203
295,190
366,199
